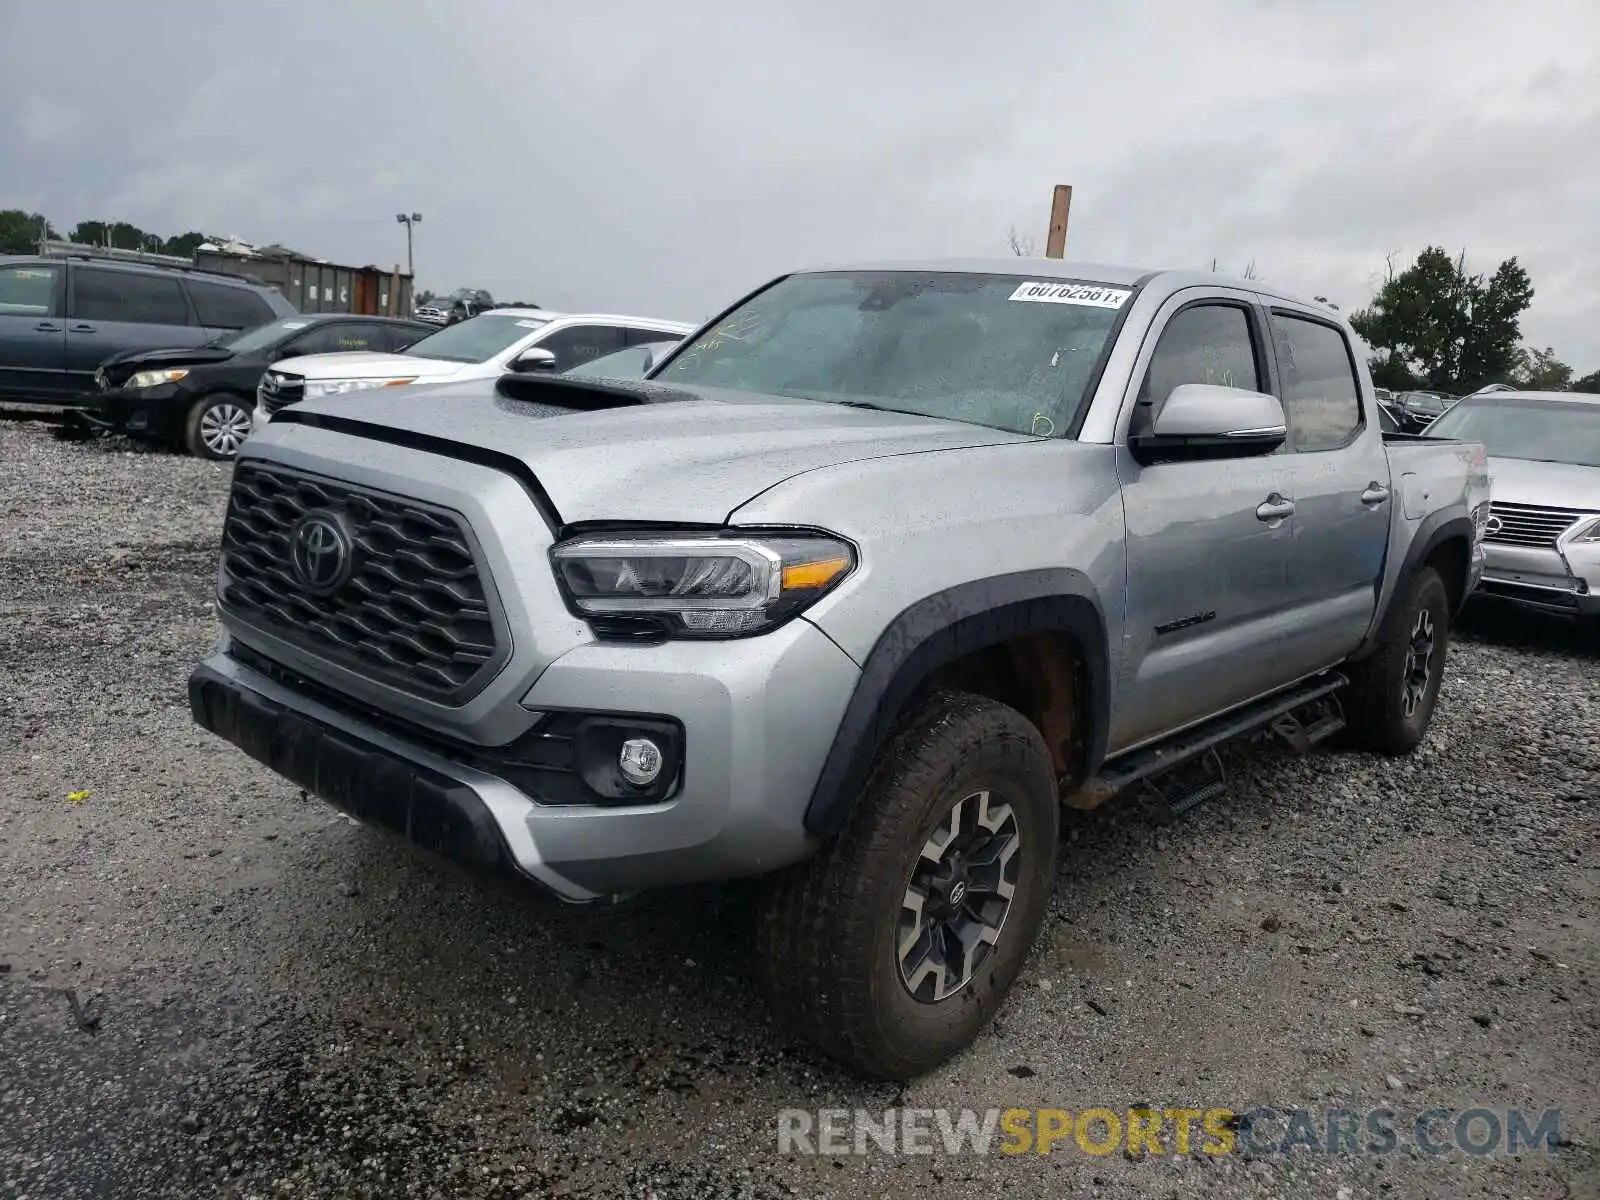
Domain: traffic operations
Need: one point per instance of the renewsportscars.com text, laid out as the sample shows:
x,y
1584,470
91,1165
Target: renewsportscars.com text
x,y
1261,1131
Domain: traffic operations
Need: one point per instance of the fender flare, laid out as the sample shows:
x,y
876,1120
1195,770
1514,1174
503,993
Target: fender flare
x,y
939,629
1433,532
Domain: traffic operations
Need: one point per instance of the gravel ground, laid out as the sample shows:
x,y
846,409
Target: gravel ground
x,y
211,985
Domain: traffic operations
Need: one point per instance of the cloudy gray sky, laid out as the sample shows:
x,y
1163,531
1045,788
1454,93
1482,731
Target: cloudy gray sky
x,y
664,157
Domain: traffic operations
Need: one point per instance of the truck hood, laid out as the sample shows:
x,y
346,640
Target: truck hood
x,y
1548,484
642,452
360,364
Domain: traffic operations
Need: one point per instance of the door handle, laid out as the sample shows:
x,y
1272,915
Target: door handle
x,y
83,329
48,327
1375,494
1274,508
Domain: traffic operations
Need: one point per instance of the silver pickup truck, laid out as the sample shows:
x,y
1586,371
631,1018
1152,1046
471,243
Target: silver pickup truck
x,y
874,573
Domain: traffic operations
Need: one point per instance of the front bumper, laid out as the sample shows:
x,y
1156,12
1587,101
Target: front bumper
x,y
123,410
1565,579
758,718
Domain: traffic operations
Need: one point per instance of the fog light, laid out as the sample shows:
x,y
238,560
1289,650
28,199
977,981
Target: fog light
x,y
640,761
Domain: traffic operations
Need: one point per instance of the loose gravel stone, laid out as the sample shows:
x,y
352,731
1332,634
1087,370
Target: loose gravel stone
x,y
289,1005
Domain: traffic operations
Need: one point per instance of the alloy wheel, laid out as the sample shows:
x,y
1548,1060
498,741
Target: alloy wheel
x,y
958,897
1419,664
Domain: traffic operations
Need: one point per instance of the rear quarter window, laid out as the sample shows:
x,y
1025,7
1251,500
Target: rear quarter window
x,y
223,307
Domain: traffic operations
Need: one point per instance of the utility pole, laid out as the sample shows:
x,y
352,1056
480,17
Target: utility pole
x,y
408,220
1055,245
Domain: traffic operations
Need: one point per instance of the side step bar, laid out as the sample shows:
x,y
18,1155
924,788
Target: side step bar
x,y
1277,713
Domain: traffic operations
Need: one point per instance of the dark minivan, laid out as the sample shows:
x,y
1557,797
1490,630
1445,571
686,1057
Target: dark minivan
x,y
61,316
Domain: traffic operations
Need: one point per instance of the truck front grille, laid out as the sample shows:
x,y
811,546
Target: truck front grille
x,y
1529,524
409,607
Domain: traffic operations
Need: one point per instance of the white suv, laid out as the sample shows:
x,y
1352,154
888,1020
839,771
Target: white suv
x,y
484,347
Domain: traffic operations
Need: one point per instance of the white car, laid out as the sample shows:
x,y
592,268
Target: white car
x,y
484,347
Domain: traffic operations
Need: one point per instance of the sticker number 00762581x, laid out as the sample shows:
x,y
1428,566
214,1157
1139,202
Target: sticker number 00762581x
x,y
1093,295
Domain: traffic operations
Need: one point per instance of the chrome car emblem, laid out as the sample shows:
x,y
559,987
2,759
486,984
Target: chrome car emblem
x,y
271,382
1493,525
320,552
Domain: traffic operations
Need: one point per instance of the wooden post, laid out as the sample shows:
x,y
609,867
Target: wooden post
x,y
394,292
1055,245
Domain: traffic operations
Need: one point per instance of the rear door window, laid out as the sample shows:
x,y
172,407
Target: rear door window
x,y
1321,398
128,297
337,337
223,307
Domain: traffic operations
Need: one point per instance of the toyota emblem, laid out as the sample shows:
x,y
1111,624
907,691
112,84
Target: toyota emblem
x,y
321,552
1492,526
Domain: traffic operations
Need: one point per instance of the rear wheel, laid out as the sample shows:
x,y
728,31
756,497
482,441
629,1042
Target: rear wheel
x,y
894,946
1394,690
217,426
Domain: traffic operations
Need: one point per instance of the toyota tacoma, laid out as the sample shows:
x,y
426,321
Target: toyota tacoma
x,y
870,577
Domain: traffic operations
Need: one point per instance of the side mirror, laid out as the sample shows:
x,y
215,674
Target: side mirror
x,y
1202,420
533,360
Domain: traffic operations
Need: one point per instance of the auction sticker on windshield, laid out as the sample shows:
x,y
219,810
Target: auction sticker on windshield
x,y
1094,295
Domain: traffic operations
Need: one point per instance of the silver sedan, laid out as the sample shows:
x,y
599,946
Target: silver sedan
x,y
1542,542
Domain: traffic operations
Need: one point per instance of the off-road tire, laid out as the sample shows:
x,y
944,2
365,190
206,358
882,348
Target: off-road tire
x,y
195,429
1375,703
827,933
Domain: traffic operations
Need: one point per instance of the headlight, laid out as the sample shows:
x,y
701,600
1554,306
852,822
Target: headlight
x,y
1586,533
150,379
693,585
337,387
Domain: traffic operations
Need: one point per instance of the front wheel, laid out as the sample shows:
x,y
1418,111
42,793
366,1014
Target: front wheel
x,y
1393,690
894,946
216,427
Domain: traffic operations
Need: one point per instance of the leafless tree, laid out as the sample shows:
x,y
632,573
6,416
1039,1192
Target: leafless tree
x,y
1021,246
1249,271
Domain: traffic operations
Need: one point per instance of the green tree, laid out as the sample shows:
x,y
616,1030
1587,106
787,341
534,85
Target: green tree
x,y
1389,370
1542,371
184,245
1444,327
1589,383
118,234
19,231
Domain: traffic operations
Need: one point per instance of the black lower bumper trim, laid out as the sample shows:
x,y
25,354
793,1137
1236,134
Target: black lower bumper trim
x,y
368,782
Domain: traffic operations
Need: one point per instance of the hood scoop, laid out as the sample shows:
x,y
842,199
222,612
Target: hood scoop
x,y
561,394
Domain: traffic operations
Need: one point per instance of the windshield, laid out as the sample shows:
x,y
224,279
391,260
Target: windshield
x,y
259,338
475,341
1542,430
1424,403
997,350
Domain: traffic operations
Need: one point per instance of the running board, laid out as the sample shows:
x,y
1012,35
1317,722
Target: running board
x,y
1276,712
